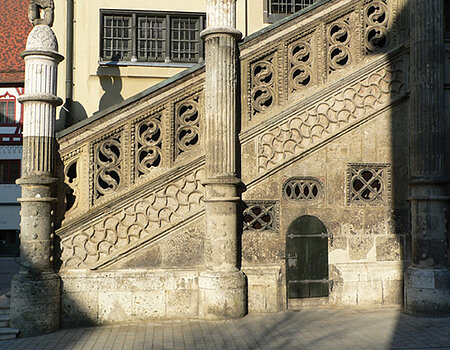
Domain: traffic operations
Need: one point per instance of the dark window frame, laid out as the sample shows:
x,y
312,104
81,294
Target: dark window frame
x,y
10,170
271,14
4,118
168,18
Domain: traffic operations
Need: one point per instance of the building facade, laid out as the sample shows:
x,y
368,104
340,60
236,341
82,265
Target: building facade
x,y
305,164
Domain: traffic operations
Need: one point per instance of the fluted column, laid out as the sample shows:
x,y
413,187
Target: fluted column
x,y
35,289
222,284
427,280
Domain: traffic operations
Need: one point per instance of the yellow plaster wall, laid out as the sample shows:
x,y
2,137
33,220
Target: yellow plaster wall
x,y
123,81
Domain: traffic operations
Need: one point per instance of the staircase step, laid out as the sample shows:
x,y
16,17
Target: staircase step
x,y
4,320
4,310
8,333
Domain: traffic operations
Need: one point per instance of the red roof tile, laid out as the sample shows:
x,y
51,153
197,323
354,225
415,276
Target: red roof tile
x,y
14,29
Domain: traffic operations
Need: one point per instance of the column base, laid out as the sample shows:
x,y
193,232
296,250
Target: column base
x,y
222,294
35,303
427,291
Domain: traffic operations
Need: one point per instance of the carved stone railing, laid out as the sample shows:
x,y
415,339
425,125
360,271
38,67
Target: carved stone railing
x,y
310,79
132,173
131,145
320,46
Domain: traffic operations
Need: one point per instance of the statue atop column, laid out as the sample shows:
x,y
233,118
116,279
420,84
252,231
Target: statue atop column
x,y
41,12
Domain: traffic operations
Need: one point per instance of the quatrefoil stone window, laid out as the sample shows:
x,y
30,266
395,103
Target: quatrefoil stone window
x,y
368,184
260,216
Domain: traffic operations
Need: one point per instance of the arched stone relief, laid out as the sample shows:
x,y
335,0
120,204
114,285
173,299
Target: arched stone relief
x,y
303,190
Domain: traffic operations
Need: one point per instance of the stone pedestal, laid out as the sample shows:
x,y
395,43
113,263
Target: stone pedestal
x,y
35,302
427,281
35,291
222,285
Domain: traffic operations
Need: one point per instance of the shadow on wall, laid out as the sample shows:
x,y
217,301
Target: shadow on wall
x,y
111,83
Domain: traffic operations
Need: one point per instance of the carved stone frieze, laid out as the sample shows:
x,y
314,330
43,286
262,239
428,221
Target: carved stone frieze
x,y
352,103
144,218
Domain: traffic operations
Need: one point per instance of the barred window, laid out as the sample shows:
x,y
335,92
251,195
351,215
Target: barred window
x,y
142,36
7,111
277,9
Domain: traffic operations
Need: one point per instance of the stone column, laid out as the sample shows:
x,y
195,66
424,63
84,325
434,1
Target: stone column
x,y
222,284
427,279
35,290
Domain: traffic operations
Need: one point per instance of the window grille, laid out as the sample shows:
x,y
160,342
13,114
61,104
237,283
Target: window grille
x,y
7,112
151,36
277,9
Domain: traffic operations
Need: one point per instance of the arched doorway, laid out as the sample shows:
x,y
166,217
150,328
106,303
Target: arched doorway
x,y
307,258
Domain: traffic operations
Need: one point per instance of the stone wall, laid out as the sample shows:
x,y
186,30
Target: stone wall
x,y
370,239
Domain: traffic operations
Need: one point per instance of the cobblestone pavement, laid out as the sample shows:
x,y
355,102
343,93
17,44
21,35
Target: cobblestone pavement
x,y
305,329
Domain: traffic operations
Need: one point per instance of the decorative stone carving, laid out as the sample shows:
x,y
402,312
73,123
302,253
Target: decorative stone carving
x,y
187,125
352,103
42,38
261,216
107,163
368,184
148,144
72,180
303,189
41,12
300,61
263,84
338,37
376,19
143,219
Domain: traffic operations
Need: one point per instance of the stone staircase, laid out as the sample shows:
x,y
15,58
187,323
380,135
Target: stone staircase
x,y
132,173
6,332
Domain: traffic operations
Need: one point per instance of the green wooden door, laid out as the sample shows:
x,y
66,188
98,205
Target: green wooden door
x,y
307,258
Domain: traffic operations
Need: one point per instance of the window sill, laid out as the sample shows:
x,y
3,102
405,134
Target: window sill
x,y
147,64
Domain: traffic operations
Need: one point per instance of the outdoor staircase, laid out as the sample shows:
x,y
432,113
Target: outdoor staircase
x,y
6,332
132,173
